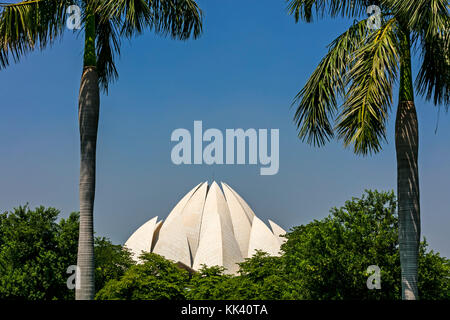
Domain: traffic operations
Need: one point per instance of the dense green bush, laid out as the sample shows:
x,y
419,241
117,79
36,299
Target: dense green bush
x,y
35,252
156,278
328,259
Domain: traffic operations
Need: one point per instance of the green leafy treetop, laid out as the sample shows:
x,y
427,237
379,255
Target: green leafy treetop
x,y
36,250
154,279
328,258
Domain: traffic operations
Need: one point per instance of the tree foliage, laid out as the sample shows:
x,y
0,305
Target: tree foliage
x,y
328,258
324,259
350,92
36,250
154,279
111,261
31,24
257,280
35,253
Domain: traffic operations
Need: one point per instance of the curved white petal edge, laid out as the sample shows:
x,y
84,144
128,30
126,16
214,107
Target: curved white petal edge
x,y
209,227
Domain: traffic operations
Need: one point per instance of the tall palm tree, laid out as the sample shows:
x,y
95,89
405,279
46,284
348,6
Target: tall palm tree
x,y
32,24
360,70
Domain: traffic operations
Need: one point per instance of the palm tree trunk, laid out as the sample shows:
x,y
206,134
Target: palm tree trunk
x,y
407,144
88,114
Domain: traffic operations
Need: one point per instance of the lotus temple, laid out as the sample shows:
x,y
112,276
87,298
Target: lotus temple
x,y
209,225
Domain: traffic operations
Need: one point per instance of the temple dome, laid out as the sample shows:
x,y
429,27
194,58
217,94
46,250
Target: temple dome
x,y
210,226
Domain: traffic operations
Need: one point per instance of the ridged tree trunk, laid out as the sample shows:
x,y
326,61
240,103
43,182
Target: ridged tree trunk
x,y
407,145
88,114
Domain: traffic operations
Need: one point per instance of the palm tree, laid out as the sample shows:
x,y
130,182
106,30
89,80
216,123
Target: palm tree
x,y
32,24
360,70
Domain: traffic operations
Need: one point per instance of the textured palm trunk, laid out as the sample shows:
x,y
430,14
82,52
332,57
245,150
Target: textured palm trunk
x,y
88,114
407,145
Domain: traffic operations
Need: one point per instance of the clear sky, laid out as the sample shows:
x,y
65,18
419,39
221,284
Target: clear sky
x,y
242,73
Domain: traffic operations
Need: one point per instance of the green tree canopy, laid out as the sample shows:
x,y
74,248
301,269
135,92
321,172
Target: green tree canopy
x,y
154,279
111,261
36,250
328,259
210,283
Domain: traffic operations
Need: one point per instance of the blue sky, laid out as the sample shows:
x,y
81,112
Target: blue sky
x,y
242,73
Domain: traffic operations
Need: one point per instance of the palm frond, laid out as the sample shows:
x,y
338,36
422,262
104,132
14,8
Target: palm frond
x,y
132,15
304,9
430,21
369,96
179,19
107,47
29,24
317,101
117,18
433,79
421,15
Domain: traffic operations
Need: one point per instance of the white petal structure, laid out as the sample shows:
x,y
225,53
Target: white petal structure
x,y
277,231
261,238
142,239
208,226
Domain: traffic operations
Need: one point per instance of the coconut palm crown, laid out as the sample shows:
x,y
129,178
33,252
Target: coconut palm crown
x,y
350,93
36,24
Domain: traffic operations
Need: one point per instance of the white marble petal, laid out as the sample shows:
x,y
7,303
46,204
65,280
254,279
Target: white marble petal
x,y
278,231
241,222
261,238
142,238
244,204
172,242
192,217
217,246
176,211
